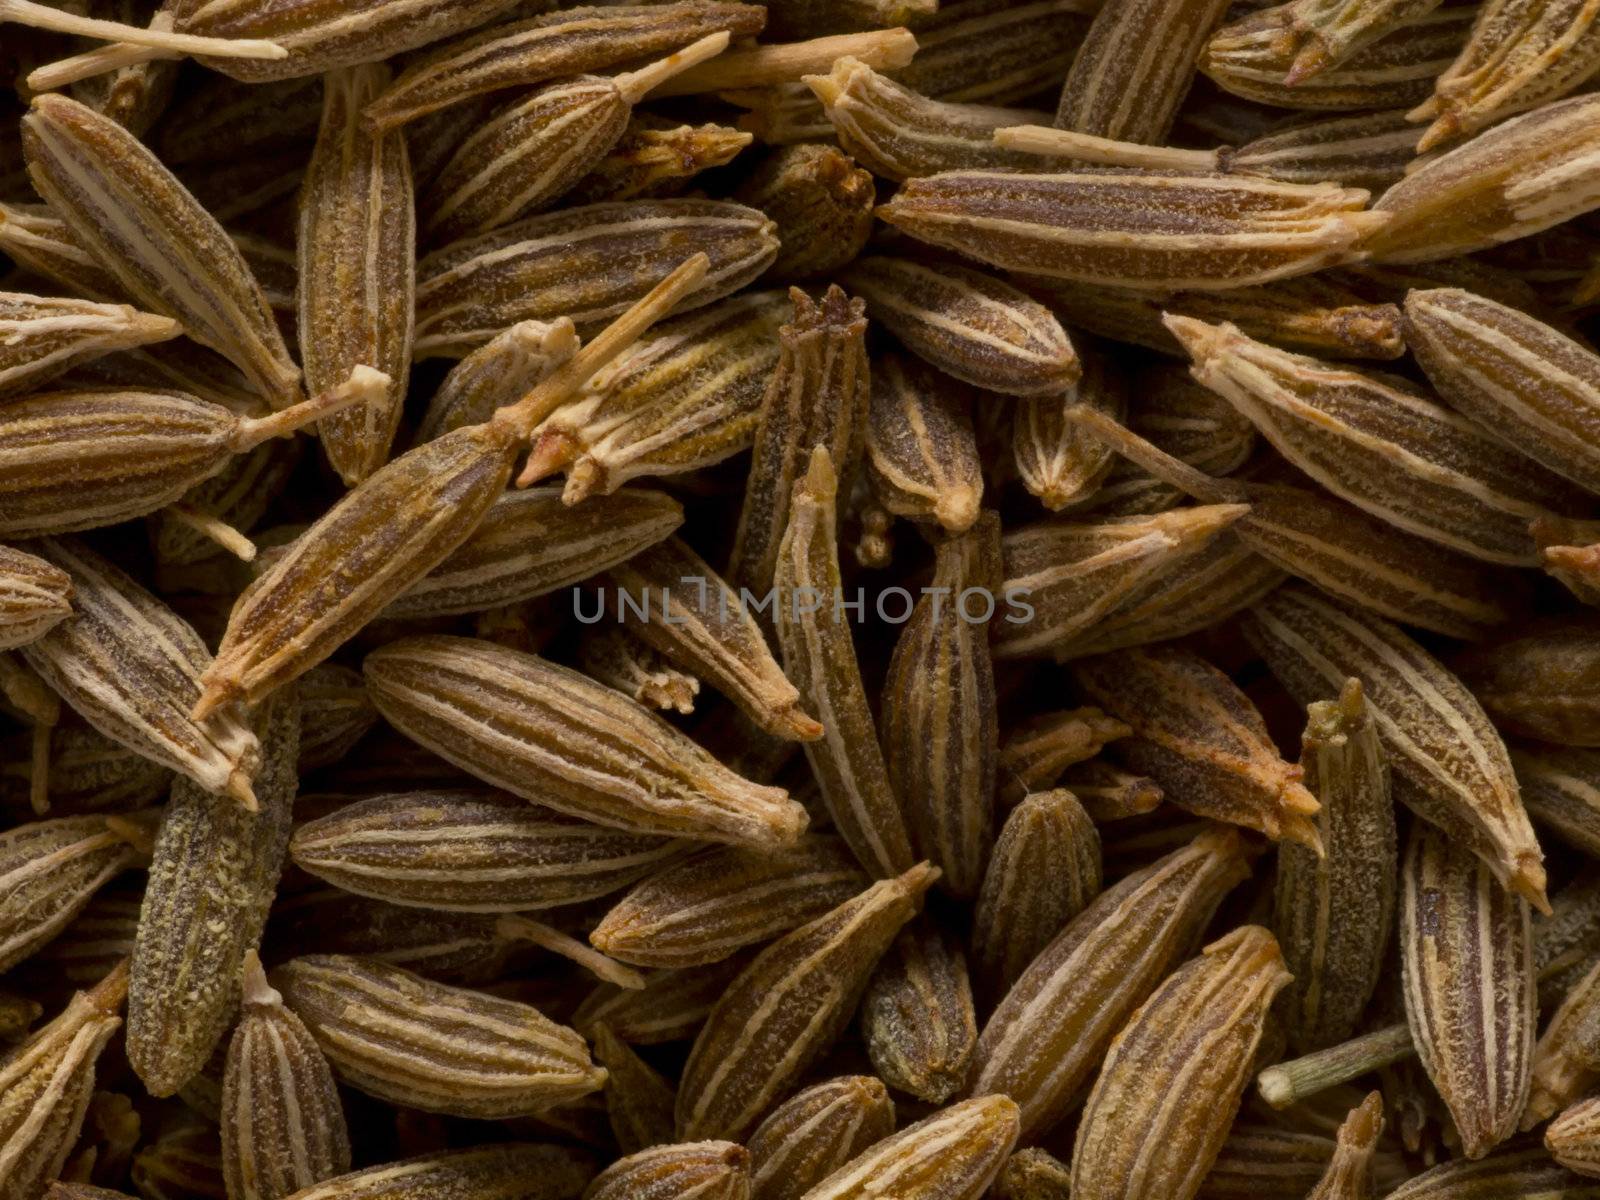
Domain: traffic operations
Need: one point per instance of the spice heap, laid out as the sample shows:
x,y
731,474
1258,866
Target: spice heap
x,y
840,600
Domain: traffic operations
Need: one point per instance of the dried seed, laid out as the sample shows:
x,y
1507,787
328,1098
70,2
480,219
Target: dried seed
x,y
1333,916
814,1133
1199,737
938,722
396,526
1260,1160
819,656
50,871
755,66
1033,1174
817,398
531,544
1466,947
471,852
1574,1139
45,1086
984,52
412,1042
164,249
283,1126
223,118
34,237
669,1008
822,204
788,1006
497,373
618,658
514,1171
1173,1079
239,495
639,1102
655,158
588,263
213,875
1566,1061
1255,57
78,460
131,667
1058,462
714,1170
1541,683
922,453
898,134
45,336
687,396
802,18
952,1155
1350,1174
532,151
1071,575
1449,764
1561,790
781,115
1125,84
669,596
1565,942
1044,871
555,737
1523,176
553,46
355,246
1037,750
917,1016
1051,1030
1136,229
1534,387
1108,793
34,597
1381,444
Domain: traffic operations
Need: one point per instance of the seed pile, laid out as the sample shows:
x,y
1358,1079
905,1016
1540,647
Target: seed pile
x,y
831,600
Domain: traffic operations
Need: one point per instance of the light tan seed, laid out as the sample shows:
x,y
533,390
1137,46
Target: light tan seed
x,y
1071,575
1058,462
471,852
819,656
656,158
1044,871
588,263
1174,1077
817,1131
34,597
520,1170
1136,229
1448,762
167,252
670,1007
412,1042
1561,790
45,336
917,1015
1038,749
1350,1174
952,1155
1033,1174
46,1084
51,870
1333,916
682,1171
1541,683
1574,1137
687,396
822,203
788,1006
781,115
131,667
1566,1061
555,737
1051,1030
497,373
937,717
531,544
356,248
283,1126
553,46
922,453
1466,948
1381,444
985,52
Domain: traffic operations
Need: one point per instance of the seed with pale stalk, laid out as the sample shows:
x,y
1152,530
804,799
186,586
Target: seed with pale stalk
x,y
1040,748
45,336
788,1006
656,158
815,1132
51,870
497,373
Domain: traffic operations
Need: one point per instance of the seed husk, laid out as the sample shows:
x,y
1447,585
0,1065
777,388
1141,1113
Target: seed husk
x,y
917,1015
922,453
1466,949
815,1132
132,668
819,656
356,270
213,875
1174,1077
1448,762
1051,1030
497,373
283,1127
471,852
753,1049
420,1044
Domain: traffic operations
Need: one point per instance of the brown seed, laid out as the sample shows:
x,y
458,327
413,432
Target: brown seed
x,y
987,53
412,1042
37,239
1561,789
34,597
822,203
815,1132
656,158
922,454
1057,461
1037,750
471,852
1108,793
51,870
669,1008
618,658
788,1006
639,1102
283,1126
46,336
917,1015
1173,1078
1466,947
1574,1137
356,249
1541,683
520,1171
952,1155
497,373
713,1170
1051,1030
